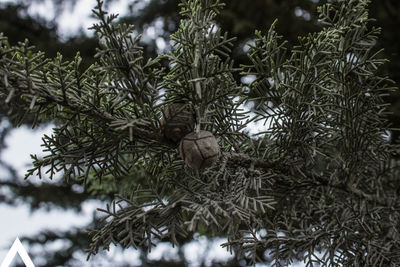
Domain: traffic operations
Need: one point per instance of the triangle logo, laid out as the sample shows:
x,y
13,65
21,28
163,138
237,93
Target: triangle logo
x,y
17,247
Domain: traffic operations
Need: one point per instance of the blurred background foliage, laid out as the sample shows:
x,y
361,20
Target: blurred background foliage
x,y
240,18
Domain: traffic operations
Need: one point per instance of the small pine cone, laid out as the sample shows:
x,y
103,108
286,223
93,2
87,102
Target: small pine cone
x,y
178,121
199,150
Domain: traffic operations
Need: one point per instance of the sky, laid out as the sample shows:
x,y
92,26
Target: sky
x,y
23,141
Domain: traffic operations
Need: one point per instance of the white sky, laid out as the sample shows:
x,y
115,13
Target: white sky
x,y
22,142
77,19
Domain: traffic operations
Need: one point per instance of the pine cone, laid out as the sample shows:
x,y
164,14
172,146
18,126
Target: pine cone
x,y
178,121
199,150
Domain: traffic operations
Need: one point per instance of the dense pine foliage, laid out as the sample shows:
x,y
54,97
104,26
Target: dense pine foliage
x,y
319,183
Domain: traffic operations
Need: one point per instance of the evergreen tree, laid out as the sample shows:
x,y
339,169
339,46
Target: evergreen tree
x,y
320,177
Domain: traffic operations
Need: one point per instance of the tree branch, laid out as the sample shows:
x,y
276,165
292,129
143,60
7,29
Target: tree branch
x,y
239,159
245,160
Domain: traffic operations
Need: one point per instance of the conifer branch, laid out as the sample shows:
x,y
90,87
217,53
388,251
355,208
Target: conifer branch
x,y
320,175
